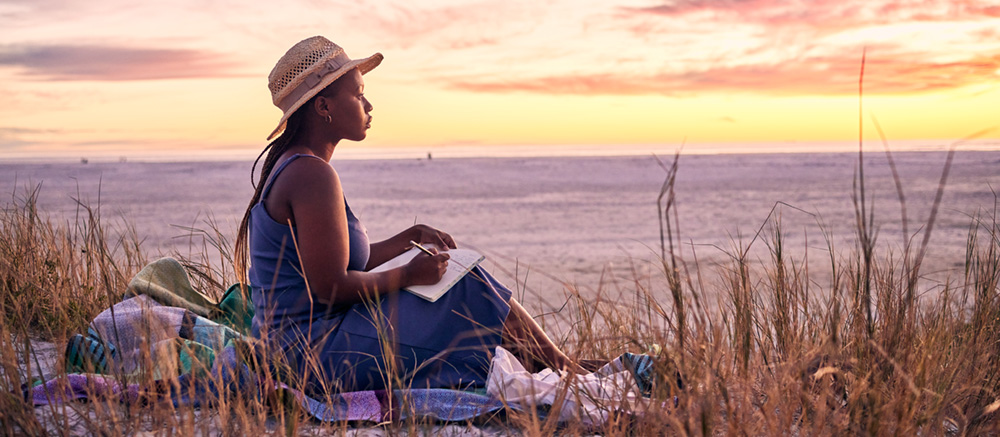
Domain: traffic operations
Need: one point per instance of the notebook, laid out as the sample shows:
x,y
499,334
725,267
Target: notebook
x,y
460,263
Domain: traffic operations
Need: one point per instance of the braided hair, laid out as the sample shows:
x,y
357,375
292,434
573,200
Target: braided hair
x,y
274,150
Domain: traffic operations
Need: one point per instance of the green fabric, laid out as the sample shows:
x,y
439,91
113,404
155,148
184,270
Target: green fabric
x,y
166,281
212,334
194,357
235,311
87,354
178,356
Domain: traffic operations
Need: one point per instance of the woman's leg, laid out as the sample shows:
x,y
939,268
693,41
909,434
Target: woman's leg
x,y
527,340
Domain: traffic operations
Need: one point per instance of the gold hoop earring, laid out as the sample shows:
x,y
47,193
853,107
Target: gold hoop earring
x,y
329,119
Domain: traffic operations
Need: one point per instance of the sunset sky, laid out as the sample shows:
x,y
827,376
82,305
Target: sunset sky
x,y
120,77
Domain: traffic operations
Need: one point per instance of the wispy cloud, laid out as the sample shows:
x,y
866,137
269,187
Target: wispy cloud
x,y
114,63
825,13
784,47
826,75
445,27
12,138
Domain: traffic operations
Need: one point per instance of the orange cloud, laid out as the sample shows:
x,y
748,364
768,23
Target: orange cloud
x,y
111,63
827,75
779,47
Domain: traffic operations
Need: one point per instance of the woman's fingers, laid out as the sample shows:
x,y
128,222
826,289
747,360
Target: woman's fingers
x,y
441,262
436,237
428,269
442,239
448,241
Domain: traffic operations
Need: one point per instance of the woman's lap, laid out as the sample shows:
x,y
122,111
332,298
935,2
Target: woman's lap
x,y
448,343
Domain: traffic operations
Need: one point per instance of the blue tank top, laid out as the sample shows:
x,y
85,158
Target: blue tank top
x,y
278,289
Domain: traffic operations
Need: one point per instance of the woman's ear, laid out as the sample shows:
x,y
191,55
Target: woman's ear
x,y
323,106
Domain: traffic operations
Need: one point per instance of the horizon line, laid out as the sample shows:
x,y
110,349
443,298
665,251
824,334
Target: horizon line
x,y
360,152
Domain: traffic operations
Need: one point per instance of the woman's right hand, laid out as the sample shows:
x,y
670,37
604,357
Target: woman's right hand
x,y
425,269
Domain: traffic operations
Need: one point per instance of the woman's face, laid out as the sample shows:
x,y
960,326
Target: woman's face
x,y
349,107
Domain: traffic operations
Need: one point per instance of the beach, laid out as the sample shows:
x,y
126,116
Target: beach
x,y
583,231
588,223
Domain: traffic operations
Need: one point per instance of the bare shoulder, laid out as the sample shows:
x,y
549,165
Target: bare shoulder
x,y
310,173
304,183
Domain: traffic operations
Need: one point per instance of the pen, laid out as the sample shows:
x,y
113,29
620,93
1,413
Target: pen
x,y
422,248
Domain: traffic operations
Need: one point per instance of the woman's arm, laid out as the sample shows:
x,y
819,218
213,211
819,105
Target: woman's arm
x,y
309,194
385,250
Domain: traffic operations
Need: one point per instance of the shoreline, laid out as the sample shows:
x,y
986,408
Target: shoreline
x,y
360,152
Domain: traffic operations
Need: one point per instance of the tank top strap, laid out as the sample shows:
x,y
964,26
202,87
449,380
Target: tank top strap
x,y
277,171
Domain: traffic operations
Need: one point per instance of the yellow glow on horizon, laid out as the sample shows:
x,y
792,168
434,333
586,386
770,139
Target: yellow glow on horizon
x,y
199,115
431,117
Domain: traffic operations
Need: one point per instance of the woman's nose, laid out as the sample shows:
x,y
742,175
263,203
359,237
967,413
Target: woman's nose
x,y
368,105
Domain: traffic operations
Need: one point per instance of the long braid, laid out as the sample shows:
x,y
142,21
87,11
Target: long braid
x,y
274,151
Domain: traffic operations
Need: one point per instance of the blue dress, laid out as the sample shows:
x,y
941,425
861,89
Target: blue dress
x,y
400,340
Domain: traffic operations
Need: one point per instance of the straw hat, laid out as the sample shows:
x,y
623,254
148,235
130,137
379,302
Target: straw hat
x,y
307,68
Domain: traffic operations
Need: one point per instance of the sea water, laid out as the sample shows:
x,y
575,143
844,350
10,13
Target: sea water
x,y
549,225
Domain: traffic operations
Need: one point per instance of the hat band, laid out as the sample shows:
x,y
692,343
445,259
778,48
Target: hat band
x,y
313,79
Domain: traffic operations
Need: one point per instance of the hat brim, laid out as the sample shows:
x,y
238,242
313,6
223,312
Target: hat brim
x,y
364,65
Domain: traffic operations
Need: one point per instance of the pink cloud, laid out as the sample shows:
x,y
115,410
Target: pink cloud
x,y
93,62
825,13
444,27
832,75
791,49
684,6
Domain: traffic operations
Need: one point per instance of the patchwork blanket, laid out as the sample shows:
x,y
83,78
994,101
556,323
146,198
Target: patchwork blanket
x,y
169,342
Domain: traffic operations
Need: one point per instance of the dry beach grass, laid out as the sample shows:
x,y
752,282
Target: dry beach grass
x,y
764,347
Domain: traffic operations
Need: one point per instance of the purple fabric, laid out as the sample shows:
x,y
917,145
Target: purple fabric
x,y
364,406
76,386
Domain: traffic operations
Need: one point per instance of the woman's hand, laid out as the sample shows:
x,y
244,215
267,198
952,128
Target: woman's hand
x,y
426,269
385,250
424,234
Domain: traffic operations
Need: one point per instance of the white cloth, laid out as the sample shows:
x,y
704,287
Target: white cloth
x,y
587,399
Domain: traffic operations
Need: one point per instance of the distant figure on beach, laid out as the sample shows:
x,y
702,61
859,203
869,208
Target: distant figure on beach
x,y
307,257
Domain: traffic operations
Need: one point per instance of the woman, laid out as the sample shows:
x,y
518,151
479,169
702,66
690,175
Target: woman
x,y
338,326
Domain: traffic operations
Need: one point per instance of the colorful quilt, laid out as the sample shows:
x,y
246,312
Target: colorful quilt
x,y
168,342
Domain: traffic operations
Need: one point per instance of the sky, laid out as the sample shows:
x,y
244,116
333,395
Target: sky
x,y
120,77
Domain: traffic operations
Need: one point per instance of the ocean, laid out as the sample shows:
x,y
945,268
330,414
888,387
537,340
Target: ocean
x,y
548,224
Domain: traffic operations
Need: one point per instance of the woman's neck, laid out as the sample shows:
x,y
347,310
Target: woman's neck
x,y
315,143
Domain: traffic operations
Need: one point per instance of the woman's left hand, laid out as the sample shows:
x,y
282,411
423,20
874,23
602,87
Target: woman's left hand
x,y
424,234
